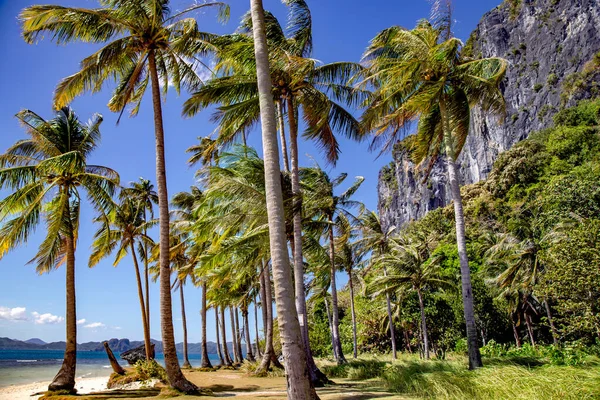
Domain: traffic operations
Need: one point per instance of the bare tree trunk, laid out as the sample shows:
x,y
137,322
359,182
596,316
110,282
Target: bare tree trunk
x,y
529,328
186,361
465,273
551,323
388,302
334,301
515,333
249,354
138,279
117,369
423,324
228,360
65,378
219,353
407,340
299,384
333,349
205,361
284,151
174,374
234,342
258,352
354,341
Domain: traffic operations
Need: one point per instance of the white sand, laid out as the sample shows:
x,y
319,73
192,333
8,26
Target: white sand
x,y
25,392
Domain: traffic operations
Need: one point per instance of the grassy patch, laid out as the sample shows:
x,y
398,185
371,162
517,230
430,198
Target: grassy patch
x,y
356,370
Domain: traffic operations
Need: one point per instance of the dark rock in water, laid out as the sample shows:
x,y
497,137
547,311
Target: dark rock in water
x,y
134,355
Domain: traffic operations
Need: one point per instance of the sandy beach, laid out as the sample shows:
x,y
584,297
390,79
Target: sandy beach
x,y
23,392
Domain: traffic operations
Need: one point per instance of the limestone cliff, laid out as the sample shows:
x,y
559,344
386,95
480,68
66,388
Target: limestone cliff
x,y
545,41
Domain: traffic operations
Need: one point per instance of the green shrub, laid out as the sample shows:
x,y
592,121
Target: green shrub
x,y
552,79
537,87
150,369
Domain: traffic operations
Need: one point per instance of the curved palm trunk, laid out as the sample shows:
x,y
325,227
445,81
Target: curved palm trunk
x,y
147,345
330,327
234,336
146,279
551,322
465,273
299,384
388,303
219,353
334,302
249,353
423,324
269,356
316,376
205,361
174,374
284,151
65,378
258,352
354,341
186,361
228,360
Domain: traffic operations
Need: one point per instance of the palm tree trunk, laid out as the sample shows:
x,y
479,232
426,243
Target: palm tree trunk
x,y
174,374
551,322
299,384
146,278
284,151
529,328
515,333
388,302
465,273
236,335
147,345
334,301
333,349
263,300
269,356
236,359
186,361
354,341
205,361
228,361
249,353
316,376
65,378
423,324
239,335
219,353
258,352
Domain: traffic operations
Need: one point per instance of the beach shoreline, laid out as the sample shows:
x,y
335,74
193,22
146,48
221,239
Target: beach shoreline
x,y
27,391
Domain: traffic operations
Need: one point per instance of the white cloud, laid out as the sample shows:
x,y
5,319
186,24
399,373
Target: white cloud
x,y
95,325
117,328
47,318
13,314
81,321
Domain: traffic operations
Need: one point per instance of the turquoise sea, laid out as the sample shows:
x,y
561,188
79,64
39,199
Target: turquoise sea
x,y
28,366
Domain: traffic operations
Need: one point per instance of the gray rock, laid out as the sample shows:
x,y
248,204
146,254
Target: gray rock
x,y
134,355
544,42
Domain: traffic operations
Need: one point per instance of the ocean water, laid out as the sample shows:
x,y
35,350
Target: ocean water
x,y
28,366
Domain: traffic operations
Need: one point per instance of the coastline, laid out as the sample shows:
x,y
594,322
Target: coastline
x,y
26,391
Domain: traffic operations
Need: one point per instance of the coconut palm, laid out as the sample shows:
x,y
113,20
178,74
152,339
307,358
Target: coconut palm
x,y
121,232
422,74
334,210
46,174
144,193
299,383
375,240
146,45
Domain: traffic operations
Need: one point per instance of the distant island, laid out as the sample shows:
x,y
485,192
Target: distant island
x,y
116,345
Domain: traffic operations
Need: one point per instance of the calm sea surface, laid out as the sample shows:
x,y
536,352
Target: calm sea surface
x,y
28,366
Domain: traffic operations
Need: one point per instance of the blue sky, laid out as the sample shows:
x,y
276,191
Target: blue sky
x,y
32,305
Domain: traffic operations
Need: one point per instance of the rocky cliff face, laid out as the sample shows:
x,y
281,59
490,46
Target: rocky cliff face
x,y
544,41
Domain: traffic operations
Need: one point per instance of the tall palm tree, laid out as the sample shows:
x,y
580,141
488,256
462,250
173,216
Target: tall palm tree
x,y
375,240
422,74
335,211
144,193
46,173
299,383
120,232
147,45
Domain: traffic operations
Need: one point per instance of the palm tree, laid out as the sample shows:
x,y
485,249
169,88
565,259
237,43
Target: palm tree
x,y
144,193
422,74
299,383
120,232
376,240
148,45
335,211
46,173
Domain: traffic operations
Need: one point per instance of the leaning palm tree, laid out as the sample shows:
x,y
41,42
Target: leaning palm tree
x,y
422,74
46,173
120,232
299,383
147,45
